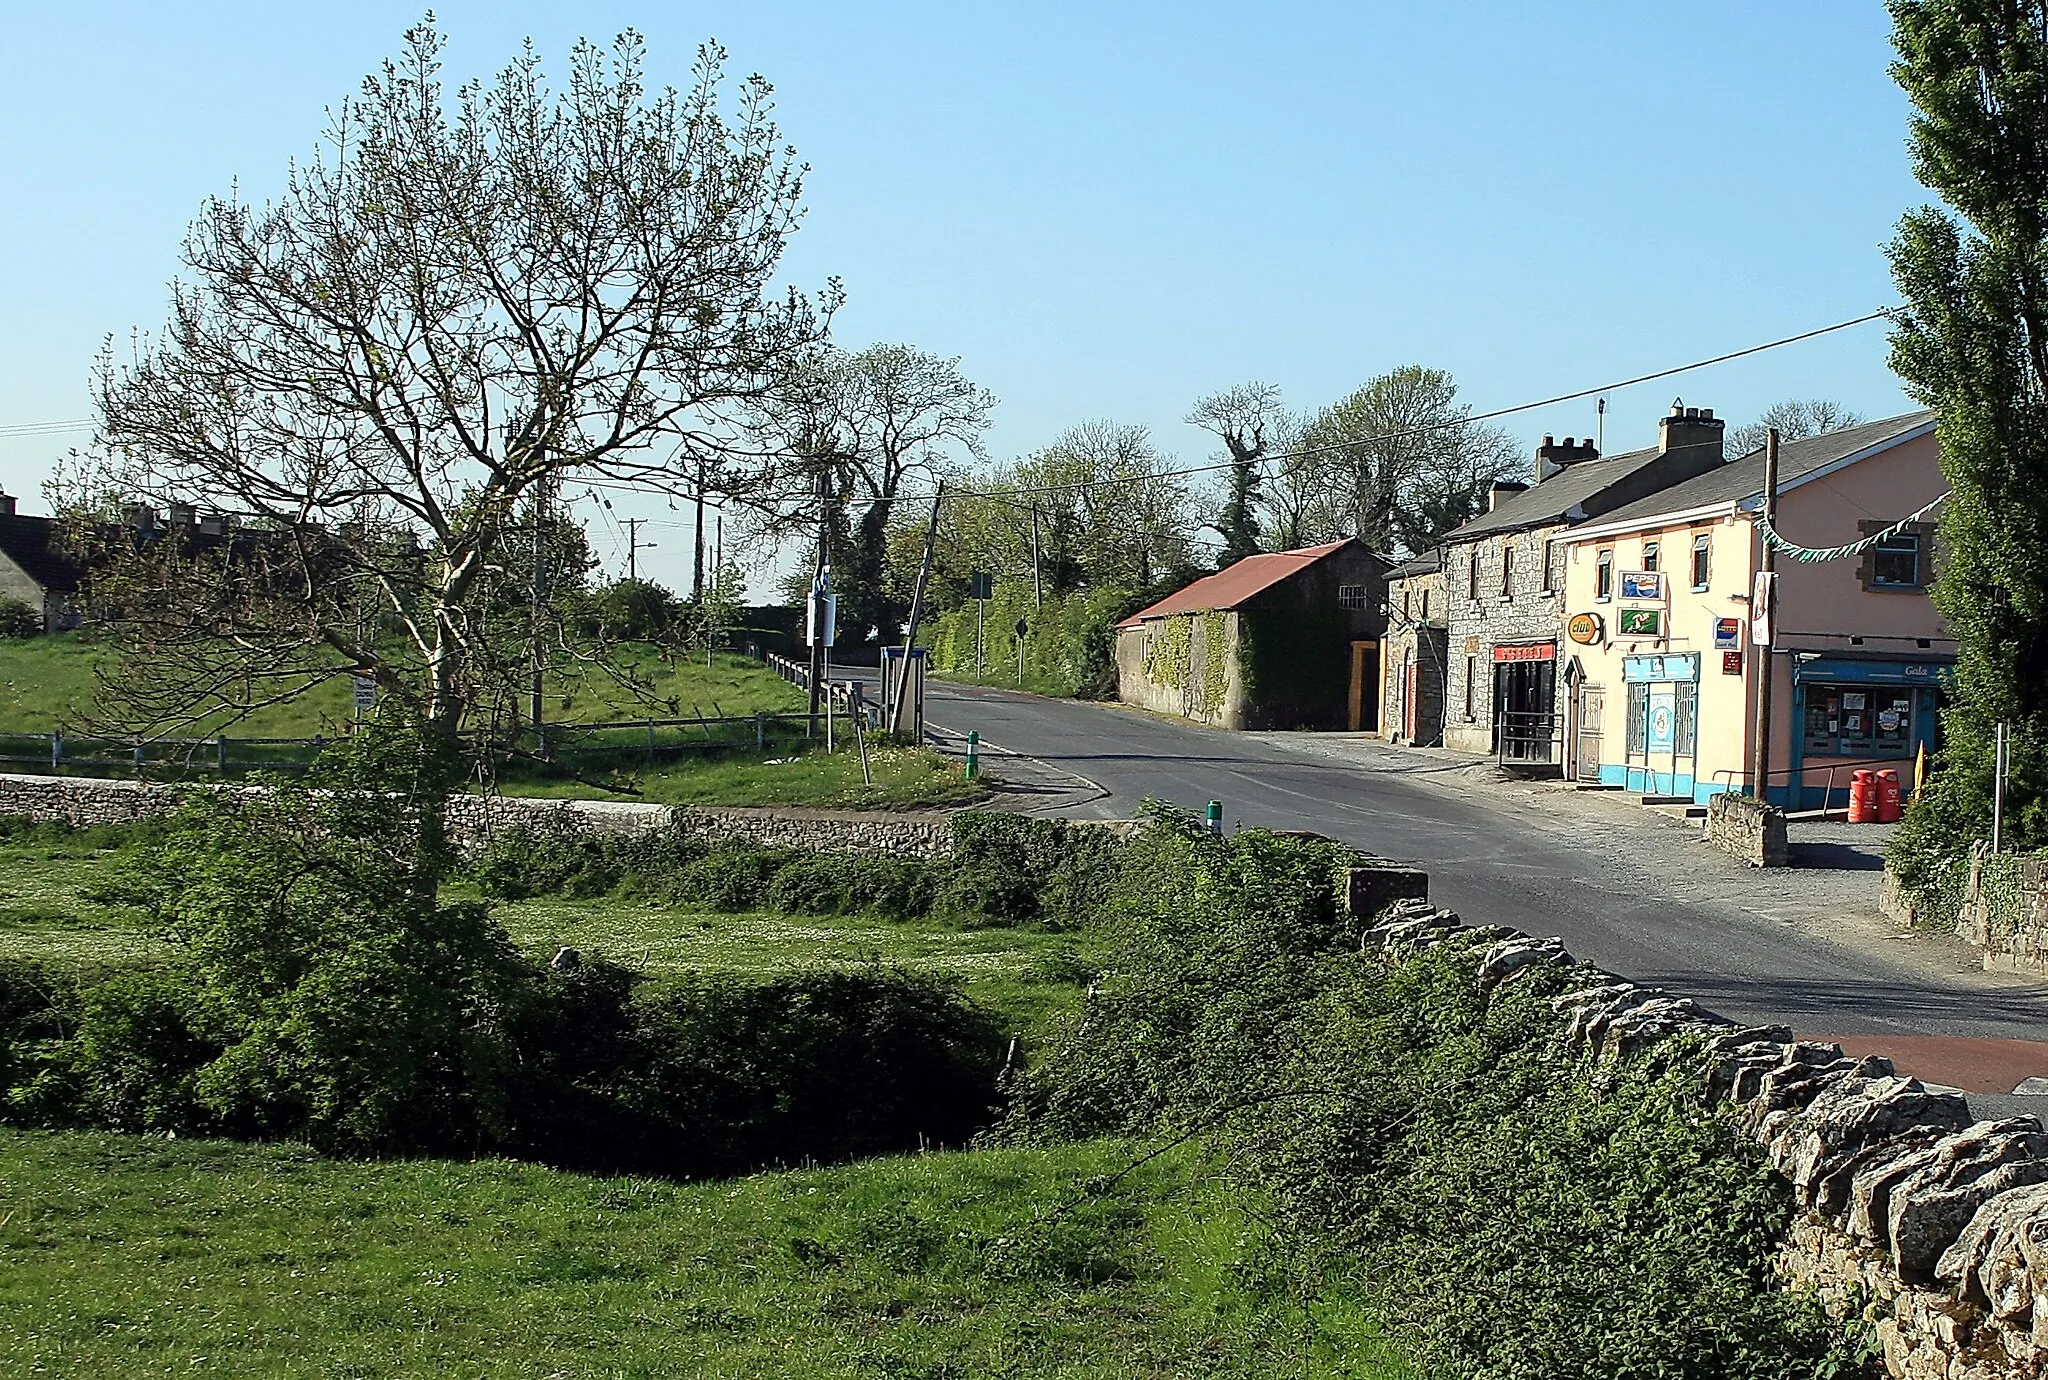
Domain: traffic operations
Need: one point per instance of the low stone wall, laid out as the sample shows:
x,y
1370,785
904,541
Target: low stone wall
x,y
1931,1226
83,801
1897,903
2005,911
1748,828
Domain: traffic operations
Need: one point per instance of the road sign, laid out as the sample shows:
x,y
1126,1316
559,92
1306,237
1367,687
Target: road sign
x,y
366,693
981,585
1021,629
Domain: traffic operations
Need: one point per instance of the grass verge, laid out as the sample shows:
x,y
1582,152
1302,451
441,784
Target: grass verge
x,y
122,1256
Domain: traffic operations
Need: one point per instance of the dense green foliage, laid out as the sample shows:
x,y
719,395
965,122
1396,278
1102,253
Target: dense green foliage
x,y
1505,1210
1970,344
317,985
1069,642
18,620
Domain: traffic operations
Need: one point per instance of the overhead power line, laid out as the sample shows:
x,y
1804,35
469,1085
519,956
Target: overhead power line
x,y
1425,429
44,428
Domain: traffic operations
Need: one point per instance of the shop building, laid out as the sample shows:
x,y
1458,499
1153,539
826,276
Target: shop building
x,y
1661,651
1504,572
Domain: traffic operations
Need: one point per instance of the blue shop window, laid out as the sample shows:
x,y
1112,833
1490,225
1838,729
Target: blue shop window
x,y
1867,721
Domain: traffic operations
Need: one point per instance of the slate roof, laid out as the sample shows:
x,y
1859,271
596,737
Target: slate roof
x,y
31,543
1429,562
1549,502
1744,478
1235,585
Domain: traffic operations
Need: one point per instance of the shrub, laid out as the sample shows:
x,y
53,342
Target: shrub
x,y
18,619
519,862
1016,869
728,879
1421,1146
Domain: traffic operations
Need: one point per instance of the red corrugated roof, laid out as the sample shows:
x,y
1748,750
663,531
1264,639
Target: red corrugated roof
x,y
1232,586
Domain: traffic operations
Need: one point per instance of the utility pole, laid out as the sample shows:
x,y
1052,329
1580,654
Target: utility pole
x,y
817,605
1037,586
697,565
924,572
1763,615
633,545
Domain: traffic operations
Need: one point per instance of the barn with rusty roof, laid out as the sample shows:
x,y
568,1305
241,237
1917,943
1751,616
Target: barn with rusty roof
x,y
1287,639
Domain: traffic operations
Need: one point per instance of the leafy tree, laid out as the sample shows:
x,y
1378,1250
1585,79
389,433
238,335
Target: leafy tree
x,y
465,301
1247,419
1972,344
1795,418
1399,462
877,422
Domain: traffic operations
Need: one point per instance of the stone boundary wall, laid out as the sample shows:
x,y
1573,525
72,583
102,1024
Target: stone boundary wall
x,y
1930,1225
1749,829
84,801
2005,911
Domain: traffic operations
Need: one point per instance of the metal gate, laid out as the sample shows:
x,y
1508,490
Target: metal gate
x,y
1592,711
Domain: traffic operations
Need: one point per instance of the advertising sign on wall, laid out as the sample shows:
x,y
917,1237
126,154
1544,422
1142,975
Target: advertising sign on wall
x,y
1727,634
1640,622
1642,584
1584,628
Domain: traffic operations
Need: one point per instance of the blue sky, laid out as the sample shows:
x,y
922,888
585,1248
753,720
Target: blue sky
x,y
1107,210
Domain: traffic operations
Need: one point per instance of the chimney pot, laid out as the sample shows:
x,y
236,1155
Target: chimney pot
x,y
1706,414
6,504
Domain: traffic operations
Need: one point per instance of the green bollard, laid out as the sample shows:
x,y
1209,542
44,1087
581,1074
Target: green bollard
x,y
1216,818
973,754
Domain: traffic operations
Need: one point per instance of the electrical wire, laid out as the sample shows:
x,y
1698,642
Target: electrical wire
x,y
1439,426
43,428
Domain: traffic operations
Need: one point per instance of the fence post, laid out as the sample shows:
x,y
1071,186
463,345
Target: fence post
x,y
56,751
220,753
650,745
760,731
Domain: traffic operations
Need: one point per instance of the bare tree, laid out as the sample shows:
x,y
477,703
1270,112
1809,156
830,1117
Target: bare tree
x,y
463,302
1247,419
1795,418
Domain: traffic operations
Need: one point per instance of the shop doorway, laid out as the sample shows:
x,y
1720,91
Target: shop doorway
x,y
1525,729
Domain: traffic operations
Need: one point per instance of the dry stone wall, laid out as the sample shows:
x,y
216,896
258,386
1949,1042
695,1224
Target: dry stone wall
x,y
1750,829
83,801
1932,1226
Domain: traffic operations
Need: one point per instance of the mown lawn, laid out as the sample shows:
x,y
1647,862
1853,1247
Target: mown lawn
x,y
904,778
54,906
123,1256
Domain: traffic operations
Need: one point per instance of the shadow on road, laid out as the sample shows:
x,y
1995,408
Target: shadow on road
x,y
1810,1003
1839,857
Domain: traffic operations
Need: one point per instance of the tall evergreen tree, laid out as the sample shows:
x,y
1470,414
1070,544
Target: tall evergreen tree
x,y
1972,343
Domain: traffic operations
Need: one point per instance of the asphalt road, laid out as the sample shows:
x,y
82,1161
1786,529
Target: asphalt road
x,y
1592,885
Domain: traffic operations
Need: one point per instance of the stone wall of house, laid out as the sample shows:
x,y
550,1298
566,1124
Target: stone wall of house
x,y
1749,829
83,801
1932,1226
1527,612
1145,678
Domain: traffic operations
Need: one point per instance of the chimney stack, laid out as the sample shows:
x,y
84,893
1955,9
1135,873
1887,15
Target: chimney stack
x,y
139,516
6,504
184,515
1692,428
1501,491
1552,456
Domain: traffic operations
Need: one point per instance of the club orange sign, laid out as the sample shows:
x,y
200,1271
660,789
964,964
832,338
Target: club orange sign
x,y
1584,628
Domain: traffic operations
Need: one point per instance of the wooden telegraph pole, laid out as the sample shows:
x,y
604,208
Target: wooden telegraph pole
x,y
1763,618
817,610
924,574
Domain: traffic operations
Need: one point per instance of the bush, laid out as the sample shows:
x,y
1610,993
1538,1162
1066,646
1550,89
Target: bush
x,y
1420,1146
728,879
1016,869
851,884
519,862
18,619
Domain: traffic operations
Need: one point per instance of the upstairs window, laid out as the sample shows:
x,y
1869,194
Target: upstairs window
x,y
1507,570
1603,575
1353,596
1649,555
1425,603
1472,578
1404,601
1896,563
1702,559
1553,566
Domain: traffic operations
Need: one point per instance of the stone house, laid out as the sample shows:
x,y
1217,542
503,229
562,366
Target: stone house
x,y
35,569
1286,639
1414,659
1504,578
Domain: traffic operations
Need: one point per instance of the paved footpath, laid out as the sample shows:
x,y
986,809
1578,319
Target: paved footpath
x,y
1630,890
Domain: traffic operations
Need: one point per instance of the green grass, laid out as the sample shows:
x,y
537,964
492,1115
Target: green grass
x,y
51,908
905,778
129,1257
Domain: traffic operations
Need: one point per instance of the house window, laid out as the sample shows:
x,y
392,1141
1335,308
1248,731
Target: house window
x,y
1649,555
1507,570
1425,603
1351,596
1472,578
1895,564
1471,678
1553,566
1603,576
1405,592
1702,559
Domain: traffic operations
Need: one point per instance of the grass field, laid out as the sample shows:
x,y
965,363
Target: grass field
x,y
51,907
129,1257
